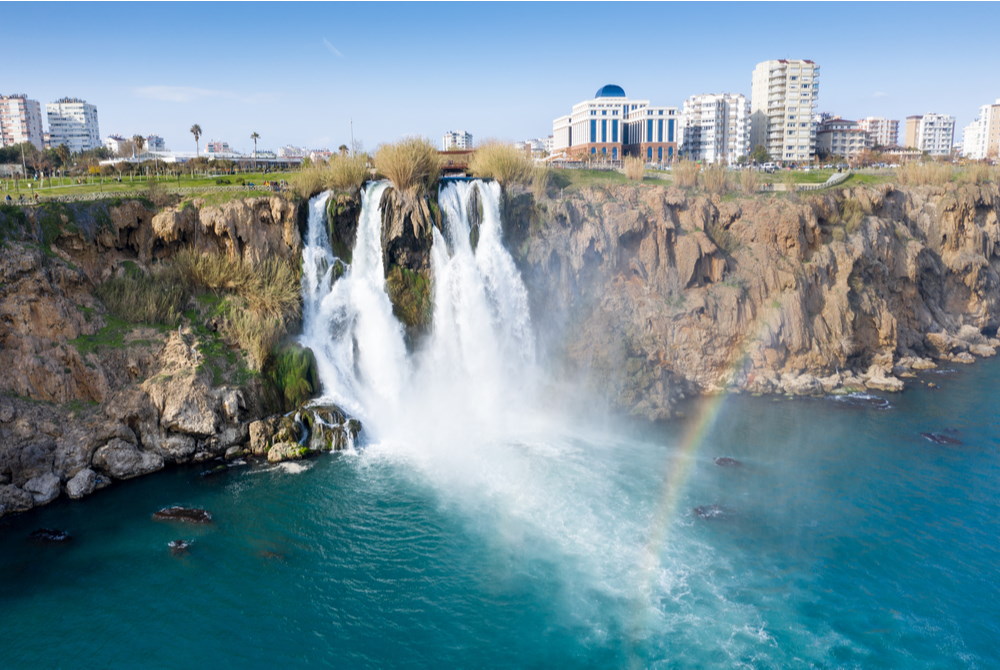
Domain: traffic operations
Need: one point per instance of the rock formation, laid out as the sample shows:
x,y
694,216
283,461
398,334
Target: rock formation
x,y
659,294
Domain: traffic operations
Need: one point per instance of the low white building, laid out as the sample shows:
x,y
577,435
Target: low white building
x,y
715,128
155,143
883,132
115,144
840,137
73,122
456,140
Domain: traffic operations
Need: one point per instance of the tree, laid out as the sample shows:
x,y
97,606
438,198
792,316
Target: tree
x,y
196,131
138,141
760,155
255,136
63,152
343,149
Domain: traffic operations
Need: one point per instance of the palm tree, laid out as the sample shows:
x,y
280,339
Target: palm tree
x,y
196,131
139,142
255,136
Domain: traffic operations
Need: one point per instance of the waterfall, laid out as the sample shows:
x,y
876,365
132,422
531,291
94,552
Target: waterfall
x,y
477,362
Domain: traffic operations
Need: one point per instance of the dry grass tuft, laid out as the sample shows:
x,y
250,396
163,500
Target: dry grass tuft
x,y
342,173
634,168
503,162
749,181
541,177
917,174
156,298
686,174
714,179
412,165
978,173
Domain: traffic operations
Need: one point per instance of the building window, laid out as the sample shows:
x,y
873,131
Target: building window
x,y
670,130
593,130
614,154
614,131
659,154
604,130
649,154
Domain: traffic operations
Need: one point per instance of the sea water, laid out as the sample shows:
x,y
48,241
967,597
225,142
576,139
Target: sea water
x,y
848,540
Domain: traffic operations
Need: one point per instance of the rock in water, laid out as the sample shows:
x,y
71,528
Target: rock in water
x,y
942,439
179,547
727,462
183,514
50,535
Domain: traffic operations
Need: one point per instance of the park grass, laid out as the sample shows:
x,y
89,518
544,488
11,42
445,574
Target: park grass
x,y
139,185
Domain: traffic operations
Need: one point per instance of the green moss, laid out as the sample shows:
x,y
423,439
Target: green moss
x,y
292,377
112,335
410,294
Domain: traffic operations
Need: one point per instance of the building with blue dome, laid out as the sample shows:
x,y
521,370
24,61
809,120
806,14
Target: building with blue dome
x,y
611,126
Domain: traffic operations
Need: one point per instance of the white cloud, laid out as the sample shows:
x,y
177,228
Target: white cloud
x,y
332,49
191,94
880,94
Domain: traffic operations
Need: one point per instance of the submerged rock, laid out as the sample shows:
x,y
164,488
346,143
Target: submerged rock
x,y
942,439
50,535
183,514
179,547
286,451
726,462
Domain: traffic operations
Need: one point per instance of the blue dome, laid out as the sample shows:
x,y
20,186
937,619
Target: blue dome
x,y
610,91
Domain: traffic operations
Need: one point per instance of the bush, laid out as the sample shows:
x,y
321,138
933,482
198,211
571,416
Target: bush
x,y
412,165
256,333
978,173
686,174
503,162
714,179
293,376
347,173
634,168
541,177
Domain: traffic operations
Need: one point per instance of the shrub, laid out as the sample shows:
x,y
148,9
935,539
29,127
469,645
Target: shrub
x,y
256,333
686,174
541,177
412,165
292,374
634,168
503,162
308,181
714,179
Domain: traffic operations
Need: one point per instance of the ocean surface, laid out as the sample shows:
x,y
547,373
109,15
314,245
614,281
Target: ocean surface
x,y
844,539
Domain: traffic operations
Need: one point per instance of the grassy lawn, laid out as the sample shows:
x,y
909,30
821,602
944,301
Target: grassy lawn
x,y
577,179
98,185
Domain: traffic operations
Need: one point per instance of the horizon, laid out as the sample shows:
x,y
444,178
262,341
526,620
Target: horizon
x,y
238,68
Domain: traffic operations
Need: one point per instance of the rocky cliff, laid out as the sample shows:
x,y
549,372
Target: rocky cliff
x,y
86,398
659,294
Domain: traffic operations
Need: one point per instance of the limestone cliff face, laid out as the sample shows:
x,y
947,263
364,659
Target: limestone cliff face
x,y
84,400
659,295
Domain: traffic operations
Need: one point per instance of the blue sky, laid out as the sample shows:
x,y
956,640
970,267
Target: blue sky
x,y
298,73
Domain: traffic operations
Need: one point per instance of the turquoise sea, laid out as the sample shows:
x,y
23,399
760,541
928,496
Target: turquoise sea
x,y
844,540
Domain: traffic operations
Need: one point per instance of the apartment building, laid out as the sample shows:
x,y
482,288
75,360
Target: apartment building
x,y
611,125
715,128
73,122
883,132
932,133
981,138
456,140
20,121
840,137
783,99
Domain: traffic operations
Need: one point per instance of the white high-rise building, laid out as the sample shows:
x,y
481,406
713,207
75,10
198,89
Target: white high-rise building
x,y
783,98
456,140
715,128
73,122
933,133
981,138
20,121
883,132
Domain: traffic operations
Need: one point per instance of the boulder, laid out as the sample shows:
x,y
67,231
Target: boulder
x,y
44,489
14,499
286,451
122,460
82,484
